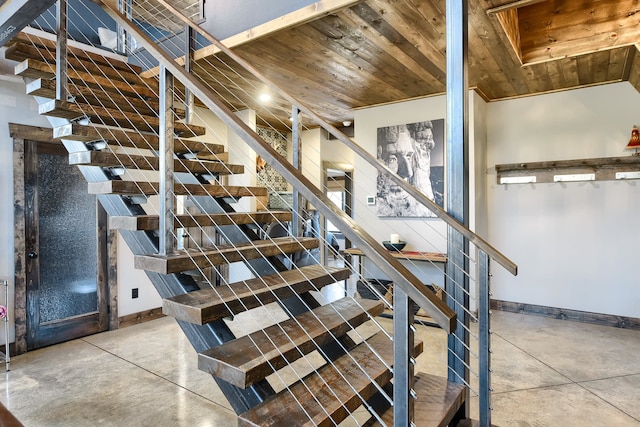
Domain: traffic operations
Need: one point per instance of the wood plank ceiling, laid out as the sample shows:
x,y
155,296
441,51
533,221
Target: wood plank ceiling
x,y
381,51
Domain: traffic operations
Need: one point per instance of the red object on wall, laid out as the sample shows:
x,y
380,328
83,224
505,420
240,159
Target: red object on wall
x,y
634,142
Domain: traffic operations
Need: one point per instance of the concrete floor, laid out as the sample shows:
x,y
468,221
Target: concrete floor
x,y
546,373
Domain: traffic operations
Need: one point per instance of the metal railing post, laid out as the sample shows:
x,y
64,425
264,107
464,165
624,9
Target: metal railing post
x,y
296,130
62,92
456,282
403,362
190,45
484,339
166,244
123,40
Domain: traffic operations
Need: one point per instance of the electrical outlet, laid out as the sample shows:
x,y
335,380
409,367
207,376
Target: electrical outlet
x,y
134,293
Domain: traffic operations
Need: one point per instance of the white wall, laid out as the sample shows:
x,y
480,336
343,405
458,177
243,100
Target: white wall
x,y
421,234
241,153
335,151
15,107
576,244
311,143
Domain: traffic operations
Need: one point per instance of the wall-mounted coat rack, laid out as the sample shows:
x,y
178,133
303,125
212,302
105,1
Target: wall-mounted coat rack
x,y
602,169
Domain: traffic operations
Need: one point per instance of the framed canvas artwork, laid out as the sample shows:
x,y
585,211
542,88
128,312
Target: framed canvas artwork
x,y
415,151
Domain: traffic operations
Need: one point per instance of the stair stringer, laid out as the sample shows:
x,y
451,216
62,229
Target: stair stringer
x,y
201,337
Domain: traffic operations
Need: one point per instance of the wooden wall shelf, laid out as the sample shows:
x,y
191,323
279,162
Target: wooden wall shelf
x,y
603,169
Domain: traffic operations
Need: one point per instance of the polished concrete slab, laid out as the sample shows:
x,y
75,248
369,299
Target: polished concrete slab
x,y
547,372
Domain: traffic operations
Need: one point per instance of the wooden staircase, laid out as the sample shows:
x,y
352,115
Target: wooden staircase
x,y
114,109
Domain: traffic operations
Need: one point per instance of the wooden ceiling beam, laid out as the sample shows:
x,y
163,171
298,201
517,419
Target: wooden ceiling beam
x,y
634,71
550,30
298,17
509,21
512,6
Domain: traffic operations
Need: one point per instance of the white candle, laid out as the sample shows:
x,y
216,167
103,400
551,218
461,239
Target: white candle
x,y
394,238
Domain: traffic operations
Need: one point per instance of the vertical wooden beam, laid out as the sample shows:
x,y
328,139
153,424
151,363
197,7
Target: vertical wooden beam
x,y
102,261
112,277
20,277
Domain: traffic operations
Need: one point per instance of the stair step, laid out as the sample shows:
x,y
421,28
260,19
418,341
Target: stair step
x,y
151,188
34,69
207,305
339,387
21,52
99,97
246,360
113,117
152,222
127,138
129,161
50,45
223,254
437,403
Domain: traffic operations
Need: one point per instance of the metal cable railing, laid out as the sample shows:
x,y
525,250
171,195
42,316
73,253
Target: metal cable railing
x,y
274,369
220,77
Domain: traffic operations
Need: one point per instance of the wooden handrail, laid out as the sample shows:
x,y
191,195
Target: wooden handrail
x,y
402,277
478,241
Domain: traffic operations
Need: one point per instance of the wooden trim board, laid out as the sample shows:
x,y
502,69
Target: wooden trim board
x,y
140,317
611,320
20,275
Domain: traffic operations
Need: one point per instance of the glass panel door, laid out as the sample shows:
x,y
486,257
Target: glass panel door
x,y
62,250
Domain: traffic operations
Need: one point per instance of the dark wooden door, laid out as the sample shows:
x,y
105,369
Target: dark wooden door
x,y
65,298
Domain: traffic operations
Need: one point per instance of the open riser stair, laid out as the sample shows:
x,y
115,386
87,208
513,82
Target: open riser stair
x,y
110,127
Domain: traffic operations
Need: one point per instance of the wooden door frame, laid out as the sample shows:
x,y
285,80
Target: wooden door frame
x,y
23,135
348,170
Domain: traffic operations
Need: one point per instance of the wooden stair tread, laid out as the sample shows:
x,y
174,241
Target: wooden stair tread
x,y
251,358
206,305
152,188
152,222
437,403
104,159
37,69
127,138
113,117
41,43
21,52
339,387
98,97
7,419
223,254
